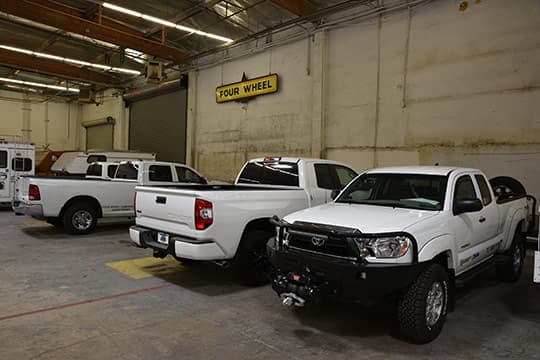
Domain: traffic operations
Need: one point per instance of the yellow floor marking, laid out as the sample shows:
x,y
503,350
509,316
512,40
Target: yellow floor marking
x,y
33,222
146,267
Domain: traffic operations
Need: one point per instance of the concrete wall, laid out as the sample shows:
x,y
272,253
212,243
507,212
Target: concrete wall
x,y
54,125
48,124
440,86
110,103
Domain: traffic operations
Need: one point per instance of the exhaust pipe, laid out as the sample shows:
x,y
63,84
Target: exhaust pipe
x,y
290,299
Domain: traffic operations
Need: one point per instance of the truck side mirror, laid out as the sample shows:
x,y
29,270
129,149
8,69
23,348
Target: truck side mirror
x,y
467,206
334,193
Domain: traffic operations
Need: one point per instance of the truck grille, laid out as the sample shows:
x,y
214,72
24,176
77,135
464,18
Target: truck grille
x,y
318,243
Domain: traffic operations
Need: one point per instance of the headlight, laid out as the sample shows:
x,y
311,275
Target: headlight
x,y
384,247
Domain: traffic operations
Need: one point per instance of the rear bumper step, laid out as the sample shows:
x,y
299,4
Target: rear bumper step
x,y
177,245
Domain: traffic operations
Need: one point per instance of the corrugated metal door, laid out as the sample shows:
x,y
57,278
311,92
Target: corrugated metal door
x,y
100,137
158,125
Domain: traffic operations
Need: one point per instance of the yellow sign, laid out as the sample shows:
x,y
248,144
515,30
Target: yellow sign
x,y
248,88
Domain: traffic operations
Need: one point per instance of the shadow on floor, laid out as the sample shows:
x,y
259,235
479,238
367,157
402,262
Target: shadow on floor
x,y
50,232
205,278
483,294
347,319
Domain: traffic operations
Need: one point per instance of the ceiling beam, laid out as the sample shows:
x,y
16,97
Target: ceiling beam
x,y
296,7
87,15
67,20
51,67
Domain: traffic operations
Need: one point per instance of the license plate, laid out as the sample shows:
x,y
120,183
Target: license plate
x,y
163,238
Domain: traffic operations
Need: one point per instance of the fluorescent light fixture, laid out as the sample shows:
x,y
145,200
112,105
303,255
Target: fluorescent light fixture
x,y
121,9
71,61
136,55
165,22
41,85
16,87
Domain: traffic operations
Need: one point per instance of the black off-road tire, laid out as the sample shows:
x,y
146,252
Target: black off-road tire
x,y
412,306
509,271
71,212
251,262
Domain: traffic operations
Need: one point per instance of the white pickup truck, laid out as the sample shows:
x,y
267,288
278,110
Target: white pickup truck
x,y
231,222
78,203
101,170
408,233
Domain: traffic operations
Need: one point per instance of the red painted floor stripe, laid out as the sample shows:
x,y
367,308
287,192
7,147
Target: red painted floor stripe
x,y
58,307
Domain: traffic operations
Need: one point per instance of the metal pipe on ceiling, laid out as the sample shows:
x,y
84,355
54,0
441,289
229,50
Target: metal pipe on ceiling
x,y
301,35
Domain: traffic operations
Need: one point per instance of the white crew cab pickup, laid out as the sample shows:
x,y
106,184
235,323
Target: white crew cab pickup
x,y
231,222
408,233
101,170
78,203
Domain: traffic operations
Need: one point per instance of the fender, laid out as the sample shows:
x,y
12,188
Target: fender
x,y
517,217
436,246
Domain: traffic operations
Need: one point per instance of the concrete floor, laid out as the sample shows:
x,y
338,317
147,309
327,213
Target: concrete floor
x,y
59,299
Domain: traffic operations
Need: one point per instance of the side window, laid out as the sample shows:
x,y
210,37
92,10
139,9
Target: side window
x,y
21,164
94,170
126,171
344,175
160,173
111,170
96,158
333,177
464,189
3,159
324,177
484,189
187,176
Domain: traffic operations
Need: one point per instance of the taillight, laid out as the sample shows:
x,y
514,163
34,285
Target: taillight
x,y
204,216
33,192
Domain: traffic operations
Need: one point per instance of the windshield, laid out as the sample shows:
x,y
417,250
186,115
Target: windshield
x,y
270,173
411,191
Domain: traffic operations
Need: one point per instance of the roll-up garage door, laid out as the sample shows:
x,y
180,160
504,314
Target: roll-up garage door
x,y
158,125
99,134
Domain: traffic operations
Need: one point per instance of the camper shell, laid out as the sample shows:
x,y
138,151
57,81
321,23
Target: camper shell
x,y
76,163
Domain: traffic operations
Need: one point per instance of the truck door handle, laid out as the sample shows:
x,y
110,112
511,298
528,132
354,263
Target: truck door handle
x,y
482,219
161,200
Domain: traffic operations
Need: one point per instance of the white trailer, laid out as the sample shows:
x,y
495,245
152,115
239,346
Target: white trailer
x,y
16,159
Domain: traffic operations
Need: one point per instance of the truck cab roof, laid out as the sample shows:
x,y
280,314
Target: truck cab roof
x,y
151,162
293,160
424,170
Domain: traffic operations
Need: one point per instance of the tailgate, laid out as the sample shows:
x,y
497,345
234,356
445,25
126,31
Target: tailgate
x,y
21,188
170,210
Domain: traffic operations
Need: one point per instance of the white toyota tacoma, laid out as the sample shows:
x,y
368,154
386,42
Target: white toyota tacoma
x,y
408,233
78,203
230,223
